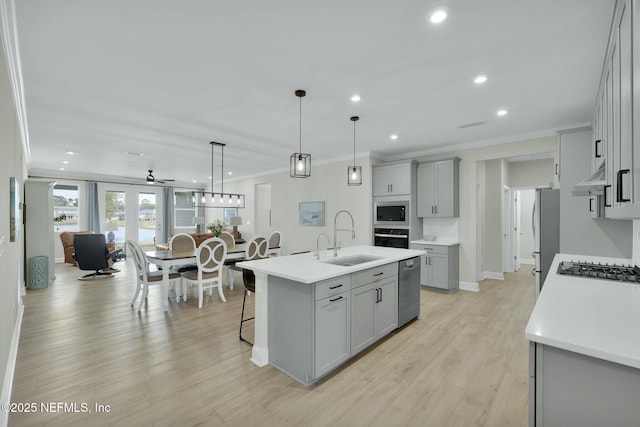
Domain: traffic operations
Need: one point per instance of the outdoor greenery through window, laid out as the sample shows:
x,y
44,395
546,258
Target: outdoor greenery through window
x,y
65,208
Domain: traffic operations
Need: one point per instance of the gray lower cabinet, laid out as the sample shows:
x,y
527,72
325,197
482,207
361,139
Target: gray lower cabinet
x,y
374,305
332,339
568,389
314,328
439,268
374,312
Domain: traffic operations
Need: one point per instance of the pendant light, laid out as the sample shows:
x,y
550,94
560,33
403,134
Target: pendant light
x,y
220,199
300,163
354,173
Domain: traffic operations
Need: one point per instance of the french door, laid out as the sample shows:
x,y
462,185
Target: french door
x,y
130,212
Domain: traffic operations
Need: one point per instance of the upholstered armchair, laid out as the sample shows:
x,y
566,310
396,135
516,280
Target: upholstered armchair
x,y
66,237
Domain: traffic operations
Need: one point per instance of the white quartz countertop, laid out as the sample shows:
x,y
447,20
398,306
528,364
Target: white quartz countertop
x,y
306,269
598,318
440,242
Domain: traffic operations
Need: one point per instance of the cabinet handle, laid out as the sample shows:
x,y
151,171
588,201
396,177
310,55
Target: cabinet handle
x,y
606,187
436,209
598,153
335,287
378,274
380,294
620,195
336,299
590,204
556,169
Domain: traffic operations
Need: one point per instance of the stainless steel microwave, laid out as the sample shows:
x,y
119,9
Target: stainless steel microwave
x,y
391,213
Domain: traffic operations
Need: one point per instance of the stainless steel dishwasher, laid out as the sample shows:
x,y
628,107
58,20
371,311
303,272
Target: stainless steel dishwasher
x,y
408,290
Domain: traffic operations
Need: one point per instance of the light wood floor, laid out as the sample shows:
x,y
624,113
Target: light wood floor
x,y
463,364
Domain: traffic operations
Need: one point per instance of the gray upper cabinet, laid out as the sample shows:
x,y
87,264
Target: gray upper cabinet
x,y
393,179
438,188
615,118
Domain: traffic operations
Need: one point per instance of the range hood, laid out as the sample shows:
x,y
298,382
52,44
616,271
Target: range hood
x,y
594,185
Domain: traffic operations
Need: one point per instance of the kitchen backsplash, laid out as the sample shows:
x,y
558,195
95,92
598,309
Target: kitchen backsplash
x,y
444,228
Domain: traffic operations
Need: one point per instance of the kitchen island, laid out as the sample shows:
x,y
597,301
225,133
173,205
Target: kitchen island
x,y
585,350
303,307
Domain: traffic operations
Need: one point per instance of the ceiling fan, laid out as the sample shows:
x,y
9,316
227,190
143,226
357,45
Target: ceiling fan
x,y
152,179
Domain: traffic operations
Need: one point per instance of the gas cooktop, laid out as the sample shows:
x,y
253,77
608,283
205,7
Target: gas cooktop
x,y
621,273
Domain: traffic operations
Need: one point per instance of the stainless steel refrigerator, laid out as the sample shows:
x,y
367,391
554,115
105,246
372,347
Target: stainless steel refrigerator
x,y
546,232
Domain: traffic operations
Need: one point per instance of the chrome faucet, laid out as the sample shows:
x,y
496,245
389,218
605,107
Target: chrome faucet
x,y
335,230
318,244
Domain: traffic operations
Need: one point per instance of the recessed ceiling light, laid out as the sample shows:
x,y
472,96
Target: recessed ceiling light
x,y
393,137
355,98
480,79
71,153
61,169
230,173
438,16
194,181
133,154
66,162
502,112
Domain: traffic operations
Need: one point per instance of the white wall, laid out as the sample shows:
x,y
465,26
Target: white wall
x,y
12,164
328,183
493,240
531,173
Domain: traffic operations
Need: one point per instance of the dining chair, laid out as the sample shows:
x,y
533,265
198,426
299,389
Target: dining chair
x,y
210,257
182,242
145,277
257,248
275,243
230,242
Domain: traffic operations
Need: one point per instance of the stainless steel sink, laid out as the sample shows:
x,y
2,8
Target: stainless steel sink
x,y
350,260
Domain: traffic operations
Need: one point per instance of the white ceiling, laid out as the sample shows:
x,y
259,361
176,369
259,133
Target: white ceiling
x,y
163,78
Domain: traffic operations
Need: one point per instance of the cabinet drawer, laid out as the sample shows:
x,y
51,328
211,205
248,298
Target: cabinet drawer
x,y
374,274
434,249
331,287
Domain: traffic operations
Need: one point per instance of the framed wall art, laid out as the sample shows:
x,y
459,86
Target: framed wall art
x,y
311,213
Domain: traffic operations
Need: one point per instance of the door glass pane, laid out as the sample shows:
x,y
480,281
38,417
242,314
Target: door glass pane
x,y
115,213
65,208
146,219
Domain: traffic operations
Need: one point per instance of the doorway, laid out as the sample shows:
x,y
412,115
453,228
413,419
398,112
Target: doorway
x,y
518,233
130,213
262,212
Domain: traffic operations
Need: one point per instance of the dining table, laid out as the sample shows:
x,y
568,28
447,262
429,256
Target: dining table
x,y
168,259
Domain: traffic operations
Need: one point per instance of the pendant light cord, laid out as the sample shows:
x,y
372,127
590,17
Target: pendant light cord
x,y
300,136
354,144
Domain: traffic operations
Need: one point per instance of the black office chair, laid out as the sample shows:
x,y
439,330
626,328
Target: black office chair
x,y
91,253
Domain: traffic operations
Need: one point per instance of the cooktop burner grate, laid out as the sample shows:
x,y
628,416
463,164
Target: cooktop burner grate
x,y
621,273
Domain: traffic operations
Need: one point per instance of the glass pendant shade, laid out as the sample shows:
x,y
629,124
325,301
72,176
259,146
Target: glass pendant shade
x,y
354,175
300,163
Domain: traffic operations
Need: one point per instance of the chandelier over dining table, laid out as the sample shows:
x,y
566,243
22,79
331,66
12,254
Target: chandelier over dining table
x,y
218,199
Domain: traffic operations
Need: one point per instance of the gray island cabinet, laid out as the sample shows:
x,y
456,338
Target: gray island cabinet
x,y
314,328
314,311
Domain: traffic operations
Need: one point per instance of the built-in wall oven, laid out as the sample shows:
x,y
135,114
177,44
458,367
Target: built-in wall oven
x,y
391,213
391,237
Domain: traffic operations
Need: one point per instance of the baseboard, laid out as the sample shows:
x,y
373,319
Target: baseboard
x,y
528,261
491,275
11,365
469,286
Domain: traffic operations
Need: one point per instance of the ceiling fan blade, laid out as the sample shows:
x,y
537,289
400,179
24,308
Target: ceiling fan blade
x,y
162,181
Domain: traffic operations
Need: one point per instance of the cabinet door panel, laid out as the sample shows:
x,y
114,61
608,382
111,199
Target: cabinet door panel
x,y
401,179
426,190
387,308
381,181
444,189
362,318
332,342
624,49
439,271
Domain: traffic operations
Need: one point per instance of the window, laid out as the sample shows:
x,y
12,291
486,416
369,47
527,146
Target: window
x,y
184,208
228,213
65,208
